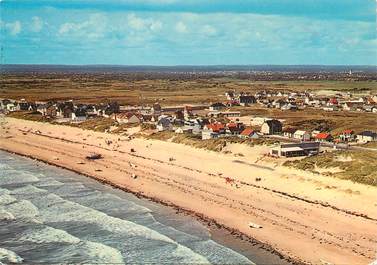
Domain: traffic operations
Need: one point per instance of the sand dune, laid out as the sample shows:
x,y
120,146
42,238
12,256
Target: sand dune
x,y
306,217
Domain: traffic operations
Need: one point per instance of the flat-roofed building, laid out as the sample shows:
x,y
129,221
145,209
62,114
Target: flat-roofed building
x,y
295,149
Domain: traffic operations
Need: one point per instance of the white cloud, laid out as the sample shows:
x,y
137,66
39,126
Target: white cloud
x,y
36,24
209,30
94,27
14,28
181,27
138,23
156,25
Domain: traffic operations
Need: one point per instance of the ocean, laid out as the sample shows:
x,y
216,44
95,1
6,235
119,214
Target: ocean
x,y
51,215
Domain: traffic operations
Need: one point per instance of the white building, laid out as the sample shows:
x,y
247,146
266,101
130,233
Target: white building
x,y
301,135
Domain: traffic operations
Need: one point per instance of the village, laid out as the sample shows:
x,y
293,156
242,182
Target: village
x,y
219,119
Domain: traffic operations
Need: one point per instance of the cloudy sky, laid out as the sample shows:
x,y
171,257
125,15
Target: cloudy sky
x,y
188,32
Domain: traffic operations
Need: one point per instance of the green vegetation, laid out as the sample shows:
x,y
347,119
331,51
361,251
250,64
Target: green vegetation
x,y
216,145
358,166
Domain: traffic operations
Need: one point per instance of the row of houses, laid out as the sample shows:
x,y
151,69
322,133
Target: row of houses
x,y
60,110
318,136
298,100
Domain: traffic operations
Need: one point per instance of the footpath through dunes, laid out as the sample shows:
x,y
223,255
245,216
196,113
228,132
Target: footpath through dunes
x,y
298,219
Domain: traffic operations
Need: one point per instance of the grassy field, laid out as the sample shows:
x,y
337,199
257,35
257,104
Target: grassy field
x,y
358,166
98,88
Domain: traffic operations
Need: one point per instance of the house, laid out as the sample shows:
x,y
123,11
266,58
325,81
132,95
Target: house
x,y
51,111
156,109
314,133
215,127
289,106
4,103
91,111
323,137
248,133
183,129
332,102
279,103
227,114
212,130
366,136
164,124
245,100
301,135
234,128
23,105
347,136
295,149
289,132
206,135
271,127
78,115
41,108
349,106
216,106
11,107
65,109
230,95
370,108
187,112
109,108
128,117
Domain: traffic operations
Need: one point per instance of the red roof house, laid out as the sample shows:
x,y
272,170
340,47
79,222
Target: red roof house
x,y
323,137
216,127
249,133
333,101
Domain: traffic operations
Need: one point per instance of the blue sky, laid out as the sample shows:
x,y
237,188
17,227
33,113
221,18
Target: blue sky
x,y
188,32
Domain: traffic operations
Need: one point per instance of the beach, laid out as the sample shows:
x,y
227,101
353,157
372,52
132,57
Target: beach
x,y
301,216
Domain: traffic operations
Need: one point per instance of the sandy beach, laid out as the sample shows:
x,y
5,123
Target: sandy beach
x,y
305,217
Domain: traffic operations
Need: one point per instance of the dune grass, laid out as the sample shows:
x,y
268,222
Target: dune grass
x,y
28,115
196,141
360,166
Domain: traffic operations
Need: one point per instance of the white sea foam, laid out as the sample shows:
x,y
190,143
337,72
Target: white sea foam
x,y
6,216
49,235
22,209
4,191
6,199
48,182
16,177
61,210
100,253
93,251
9,256
27,190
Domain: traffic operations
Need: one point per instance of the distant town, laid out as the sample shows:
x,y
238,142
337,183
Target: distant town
x,y
216,120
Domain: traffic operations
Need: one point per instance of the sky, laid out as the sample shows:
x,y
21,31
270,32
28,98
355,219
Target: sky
x,y
188,32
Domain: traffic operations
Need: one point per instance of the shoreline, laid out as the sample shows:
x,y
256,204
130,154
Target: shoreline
x,y
216,229
299,212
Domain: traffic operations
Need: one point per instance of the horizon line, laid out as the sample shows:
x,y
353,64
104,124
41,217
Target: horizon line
x,y
180,65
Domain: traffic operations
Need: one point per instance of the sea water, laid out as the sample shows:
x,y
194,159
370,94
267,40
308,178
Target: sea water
x,y
51,215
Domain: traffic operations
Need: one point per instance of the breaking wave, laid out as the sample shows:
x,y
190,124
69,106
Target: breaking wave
x,y
54,216
9,256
